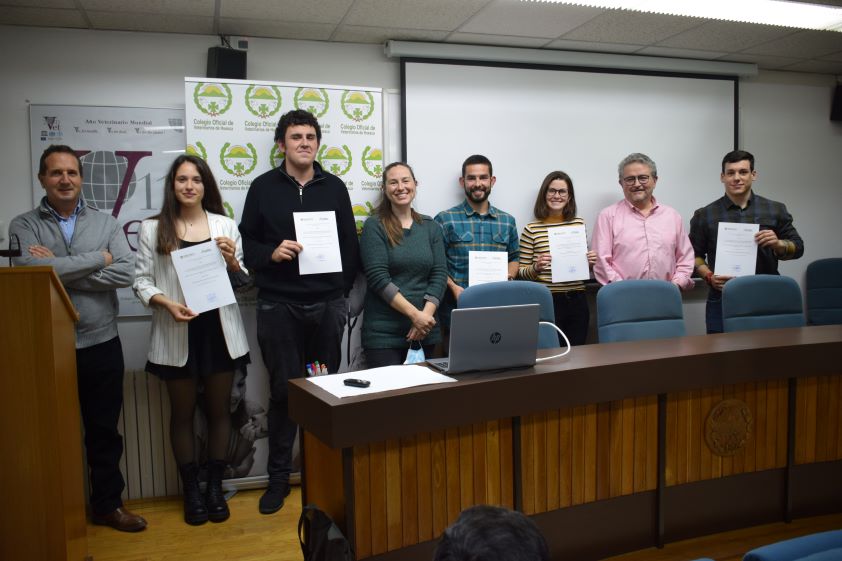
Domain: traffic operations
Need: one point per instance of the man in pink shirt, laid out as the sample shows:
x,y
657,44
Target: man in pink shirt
x,y
639,238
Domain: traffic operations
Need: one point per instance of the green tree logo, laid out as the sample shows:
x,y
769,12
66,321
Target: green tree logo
x,y
276,156
314,100
263,101
198,150
212,99
373,161
335,160
238,160
357,106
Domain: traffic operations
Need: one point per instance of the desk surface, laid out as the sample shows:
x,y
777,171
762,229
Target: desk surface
x,y
589,374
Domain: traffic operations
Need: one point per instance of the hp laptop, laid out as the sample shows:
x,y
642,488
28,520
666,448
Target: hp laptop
x,y
491,339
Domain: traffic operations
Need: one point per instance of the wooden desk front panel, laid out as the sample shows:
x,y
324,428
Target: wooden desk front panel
x,y
583,454
408,490
688,456
818,422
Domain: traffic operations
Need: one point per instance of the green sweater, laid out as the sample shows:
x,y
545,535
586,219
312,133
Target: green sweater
x,y
416,268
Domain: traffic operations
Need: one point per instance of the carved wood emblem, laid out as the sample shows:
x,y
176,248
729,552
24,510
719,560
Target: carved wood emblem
x,y
728,427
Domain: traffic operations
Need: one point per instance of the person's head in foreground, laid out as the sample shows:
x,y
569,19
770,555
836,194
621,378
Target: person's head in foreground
x,y
492,533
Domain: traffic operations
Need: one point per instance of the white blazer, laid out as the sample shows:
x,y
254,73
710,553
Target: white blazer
x,y
155,274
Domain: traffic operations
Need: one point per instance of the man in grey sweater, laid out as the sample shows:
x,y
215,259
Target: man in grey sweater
x,y
91,256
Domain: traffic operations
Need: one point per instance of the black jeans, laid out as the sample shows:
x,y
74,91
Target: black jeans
x,y
572,315
291,335
713,311
99,377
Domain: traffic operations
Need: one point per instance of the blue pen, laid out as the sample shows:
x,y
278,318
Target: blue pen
x,y
309,369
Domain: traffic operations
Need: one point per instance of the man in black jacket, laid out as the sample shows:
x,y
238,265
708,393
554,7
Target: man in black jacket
x,y
300,317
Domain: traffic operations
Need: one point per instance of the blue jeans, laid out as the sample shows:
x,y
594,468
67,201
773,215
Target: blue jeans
x,y
291,335
713,311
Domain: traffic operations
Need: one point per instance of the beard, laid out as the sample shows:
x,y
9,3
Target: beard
x,y
478,195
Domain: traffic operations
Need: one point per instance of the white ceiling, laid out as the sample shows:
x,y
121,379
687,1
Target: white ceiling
x,y
510,23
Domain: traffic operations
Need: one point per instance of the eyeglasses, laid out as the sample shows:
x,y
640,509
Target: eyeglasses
x,y
642,179
557,192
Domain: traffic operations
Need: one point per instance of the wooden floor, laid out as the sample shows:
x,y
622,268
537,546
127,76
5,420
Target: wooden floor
x,y
250,536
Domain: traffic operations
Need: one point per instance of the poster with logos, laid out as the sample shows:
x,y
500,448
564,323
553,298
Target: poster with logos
x,y
231,124
125,153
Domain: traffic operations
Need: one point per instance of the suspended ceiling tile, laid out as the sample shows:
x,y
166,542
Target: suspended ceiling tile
x,y
276,29
528,19
69,4
816,66
291,10
379,35
169,23
442,15
185,7
637,28
725,36
802,44
42,17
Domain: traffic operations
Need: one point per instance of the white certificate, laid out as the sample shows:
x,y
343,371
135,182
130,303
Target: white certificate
x,y
203,277
736,250
569,252
487,266
316,232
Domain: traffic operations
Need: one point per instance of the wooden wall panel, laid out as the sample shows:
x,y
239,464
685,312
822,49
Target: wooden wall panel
x,y
688,456
584,454
818,421
418,485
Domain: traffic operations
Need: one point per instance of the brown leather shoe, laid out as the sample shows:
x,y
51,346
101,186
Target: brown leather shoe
x,y
121,519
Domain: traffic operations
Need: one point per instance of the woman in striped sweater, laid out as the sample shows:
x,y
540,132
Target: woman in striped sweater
x,y
555,206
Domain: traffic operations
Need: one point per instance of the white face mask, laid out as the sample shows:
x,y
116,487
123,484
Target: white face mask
x,y
413,355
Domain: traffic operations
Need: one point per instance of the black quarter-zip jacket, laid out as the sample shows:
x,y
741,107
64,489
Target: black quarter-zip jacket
x,y
267,221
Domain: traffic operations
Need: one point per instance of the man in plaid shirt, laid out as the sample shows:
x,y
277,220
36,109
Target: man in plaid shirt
x,y
777,239
474,225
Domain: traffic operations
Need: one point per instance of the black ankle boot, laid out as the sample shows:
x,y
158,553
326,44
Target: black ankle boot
x,y
214,497
195,512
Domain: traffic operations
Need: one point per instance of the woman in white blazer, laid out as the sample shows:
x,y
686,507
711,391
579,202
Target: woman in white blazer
x,y
188,349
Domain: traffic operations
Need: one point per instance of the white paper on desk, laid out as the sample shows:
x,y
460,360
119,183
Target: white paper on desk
x,y
203,277
316,232
569,252
736,250
487,266
382,379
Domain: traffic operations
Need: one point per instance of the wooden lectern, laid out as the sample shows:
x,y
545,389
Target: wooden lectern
x,y
42,513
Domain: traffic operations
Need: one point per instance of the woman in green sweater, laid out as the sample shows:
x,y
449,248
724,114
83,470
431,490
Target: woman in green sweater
x,y
404,263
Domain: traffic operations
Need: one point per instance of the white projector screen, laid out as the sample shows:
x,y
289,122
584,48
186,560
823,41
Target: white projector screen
x,y
530,121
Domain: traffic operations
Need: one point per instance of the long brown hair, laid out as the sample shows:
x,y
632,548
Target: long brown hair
x,y
394,230
542,210
211,201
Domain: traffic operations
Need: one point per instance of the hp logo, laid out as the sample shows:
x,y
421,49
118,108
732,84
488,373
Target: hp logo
x,y
495,338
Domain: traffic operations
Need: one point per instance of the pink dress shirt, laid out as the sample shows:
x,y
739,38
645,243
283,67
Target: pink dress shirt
x,y
629,245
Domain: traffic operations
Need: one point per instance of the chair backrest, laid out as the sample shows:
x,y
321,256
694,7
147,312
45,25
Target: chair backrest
x,y
824,292
761,302
633,310
509,293
824,546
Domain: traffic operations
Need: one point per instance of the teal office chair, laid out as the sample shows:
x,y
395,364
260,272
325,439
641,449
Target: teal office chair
x,y
824,292
510,293
761,302
633,310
